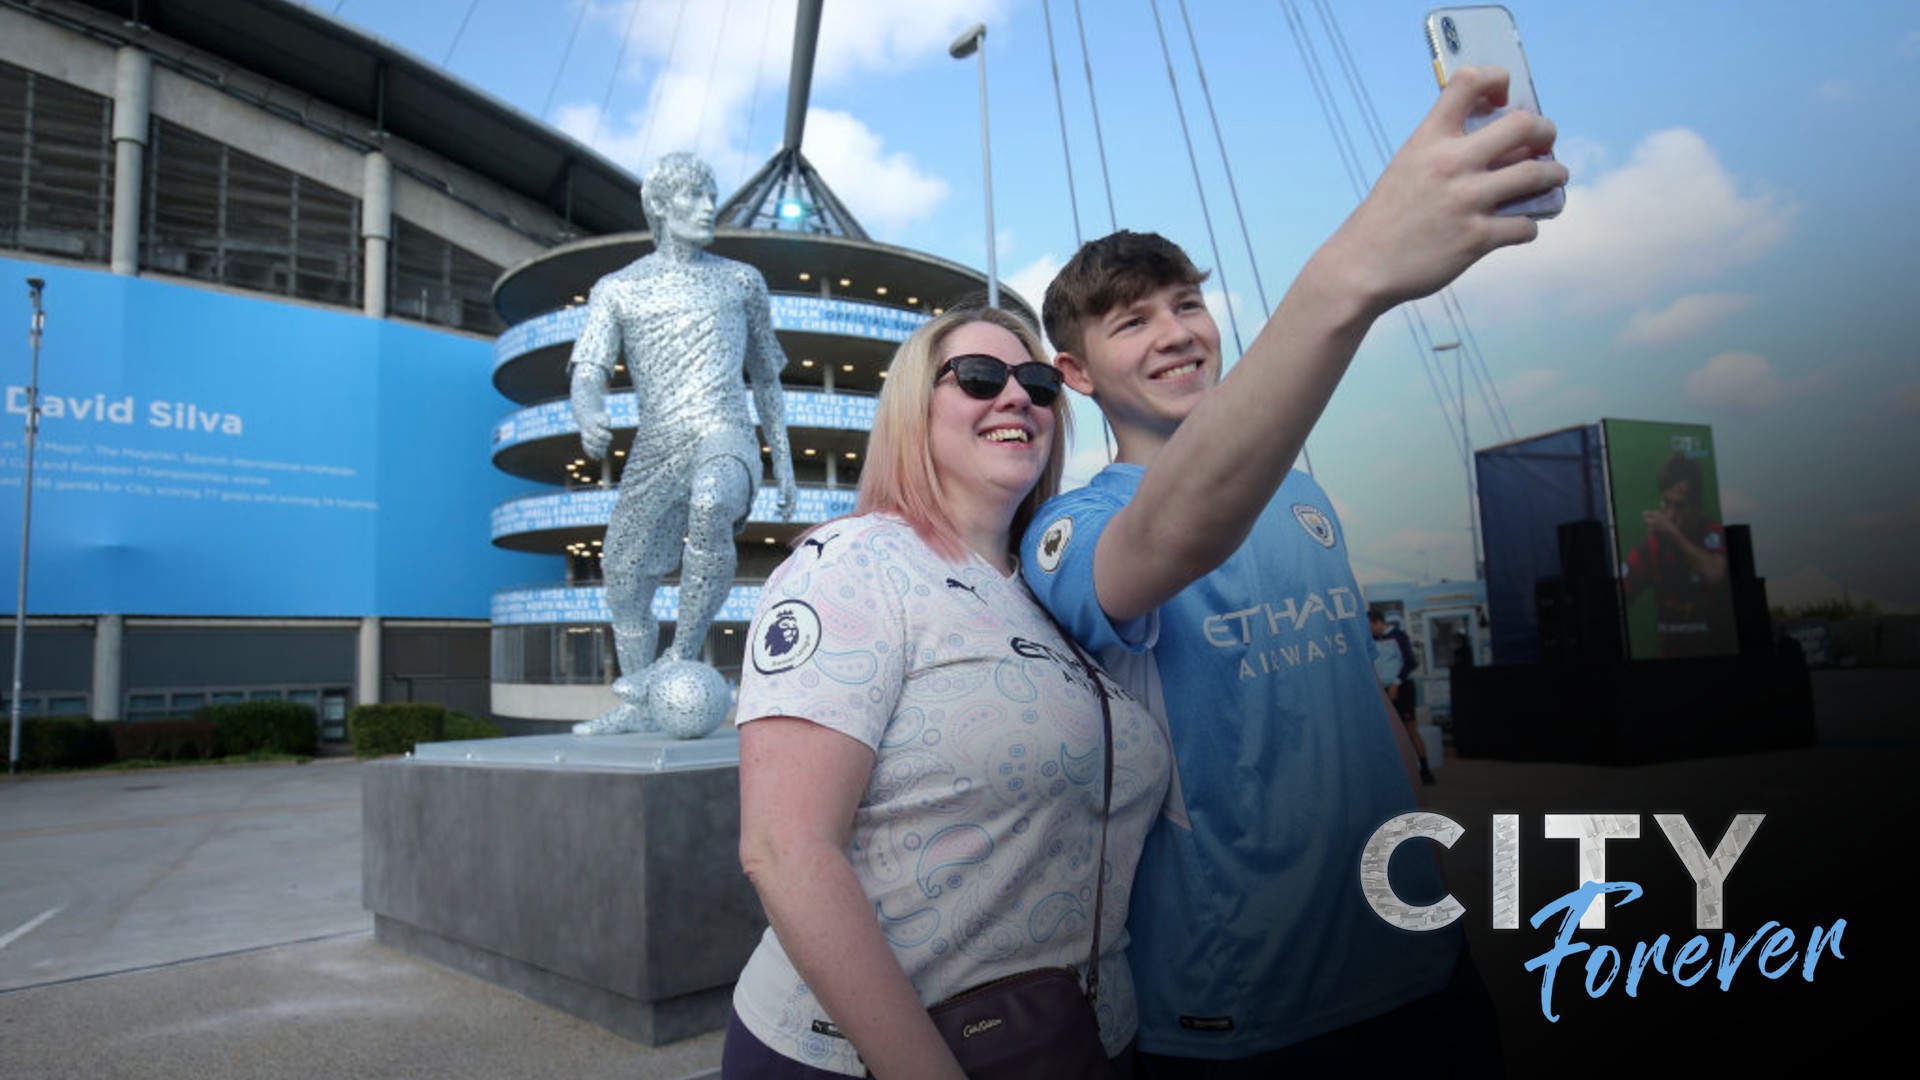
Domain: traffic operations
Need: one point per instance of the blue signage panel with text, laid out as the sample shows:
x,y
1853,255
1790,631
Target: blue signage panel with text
x,y
202,453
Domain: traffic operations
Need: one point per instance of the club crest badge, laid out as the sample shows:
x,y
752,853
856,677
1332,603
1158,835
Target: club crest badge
x,y
1316,522
785,637
1053,544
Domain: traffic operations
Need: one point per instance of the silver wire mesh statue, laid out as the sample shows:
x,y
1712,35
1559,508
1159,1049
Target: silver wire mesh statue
x,y
687,323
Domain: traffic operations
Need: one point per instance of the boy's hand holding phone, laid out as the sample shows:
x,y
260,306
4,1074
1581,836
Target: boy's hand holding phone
x,y
1436,209
1487,37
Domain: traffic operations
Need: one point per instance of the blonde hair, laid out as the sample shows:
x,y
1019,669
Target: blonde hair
x,y
899,477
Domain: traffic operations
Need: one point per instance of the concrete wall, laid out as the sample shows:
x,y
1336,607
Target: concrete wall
x,y
616,896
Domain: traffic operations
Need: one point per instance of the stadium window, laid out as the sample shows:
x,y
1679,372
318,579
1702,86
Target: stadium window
x,y
218,214
438,281
56,167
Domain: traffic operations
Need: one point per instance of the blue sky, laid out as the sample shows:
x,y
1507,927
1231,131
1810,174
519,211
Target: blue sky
x,y
1740,248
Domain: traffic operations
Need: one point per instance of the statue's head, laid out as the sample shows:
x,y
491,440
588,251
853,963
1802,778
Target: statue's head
x,y
678,197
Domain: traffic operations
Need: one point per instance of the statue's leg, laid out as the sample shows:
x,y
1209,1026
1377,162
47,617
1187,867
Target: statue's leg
x,y
722,493
642,544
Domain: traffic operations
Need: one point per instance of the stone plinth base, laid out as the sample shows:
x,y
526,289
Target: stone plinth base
x,y
597,875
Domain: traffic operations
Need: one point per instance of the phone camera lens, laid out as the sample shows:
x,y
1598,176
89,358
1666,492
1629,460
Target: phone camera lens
x,y
1451,33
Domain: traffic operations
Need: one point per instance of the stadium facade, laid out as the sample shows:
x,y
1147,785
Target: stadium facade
x,y
295,278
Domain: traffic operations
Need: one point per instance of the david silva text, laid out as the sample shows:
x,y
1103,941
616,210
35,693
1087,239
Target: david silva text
x,y
1577,910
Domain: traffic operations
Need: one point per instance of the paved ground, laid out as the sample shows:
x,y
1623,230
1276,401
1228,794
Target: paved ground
x,y
207,922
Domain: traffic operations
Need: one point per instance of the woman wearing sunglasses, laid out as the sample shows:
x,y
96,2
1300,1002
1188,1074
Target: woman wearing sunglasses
x,y
921,753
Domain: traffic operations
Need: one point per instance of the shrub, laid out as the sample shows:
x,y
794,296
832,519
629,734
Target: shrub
x,y
164,740
377,730
460,726
269,727
50,742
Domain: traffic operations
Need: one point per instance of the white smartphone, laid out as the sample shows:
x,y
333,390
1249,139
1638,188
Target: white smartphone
x,y
1486,36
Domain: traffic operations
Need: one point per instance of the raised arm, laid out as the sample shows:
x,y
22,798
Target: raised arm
x,y
595,352
1429,217
799,786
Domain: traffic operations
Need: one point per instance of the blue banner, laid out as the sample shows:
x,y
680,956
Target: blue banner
x,y
560,604
593,507
207,454
804,409
796,314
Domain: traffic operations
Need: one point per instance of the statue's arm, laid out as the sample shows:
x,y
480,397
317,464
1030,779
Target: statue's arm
x,y
765,361
595,352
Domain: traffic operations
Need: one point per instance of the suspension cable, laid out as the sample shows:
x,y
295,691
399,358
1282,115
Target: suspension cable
x,y
561,69
1220,141
1060,109
457,34
713,65
1463,331
1093,102
1199,189
653,107
1349,159
619,58
753,107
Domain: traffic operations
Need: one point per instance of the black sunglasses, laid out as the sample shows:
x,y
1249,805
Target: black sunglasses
x,y
983,377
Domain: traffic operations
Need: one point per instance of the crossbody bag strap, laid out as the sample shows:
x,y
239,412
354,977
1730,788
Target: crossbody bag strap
x,y
1106,807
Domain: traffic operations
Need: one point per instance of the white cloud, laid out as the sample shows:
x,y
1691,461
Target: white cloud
x,y
885,35
1736,380
1087,453
1224,305
1546,393
1834,92
1031,281
691,76
1583,156
712,78
885,191
1682,319
1530,385
1670,218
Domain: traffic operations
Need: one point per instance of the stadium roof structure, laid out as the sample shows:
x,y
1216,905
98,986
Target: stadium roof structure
x,y
405,96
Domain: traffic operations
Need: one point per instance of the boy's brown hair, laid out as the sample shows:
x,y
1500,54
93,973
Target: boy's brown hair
x,y
1107,273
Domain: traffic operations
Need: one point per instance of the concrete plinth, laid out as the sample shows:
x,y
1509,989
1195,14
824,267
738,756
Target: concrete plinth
x,y
596,874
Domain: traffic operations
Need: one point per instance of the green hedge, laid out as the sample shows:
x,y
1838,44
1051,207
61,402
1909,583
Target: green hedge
x,y
460,727
164,740
61,742
264,727
378,730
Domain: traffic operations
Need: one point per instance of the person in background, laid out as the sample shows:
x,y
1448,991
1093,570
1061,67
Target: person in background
x,y
1394,663
1683,563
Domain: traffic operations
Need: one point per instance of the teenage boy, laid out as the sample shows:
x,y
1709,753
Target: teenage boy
x,y
1253,946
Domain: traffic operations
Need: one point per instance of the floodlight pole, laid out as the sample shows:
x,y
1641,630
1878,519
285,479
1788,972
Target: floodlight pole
x,y
34,287
967,44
